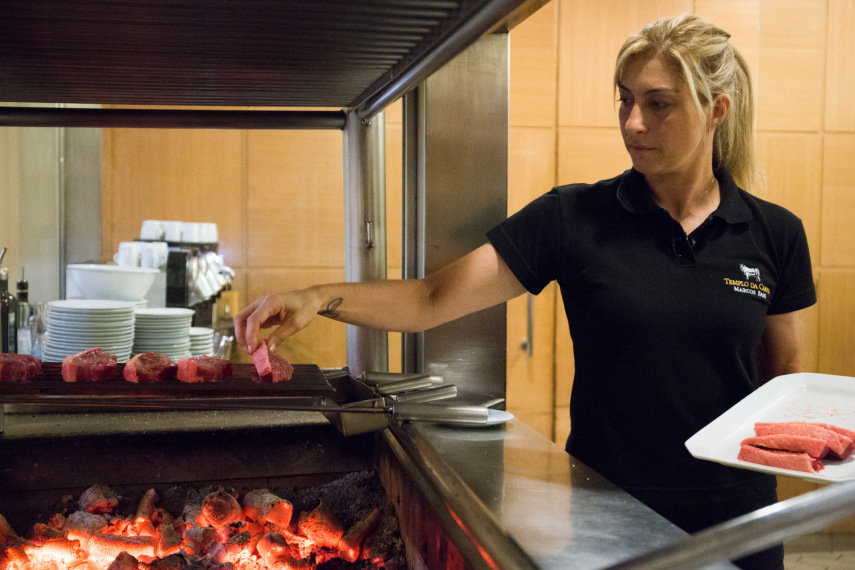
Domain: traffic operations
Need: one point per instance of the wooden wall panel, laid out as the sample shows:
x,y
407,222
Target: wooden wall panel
x,y
742,21
590,155
792,64
590,35
532,69
837,321
295,201
394,212
840,67
531,172
838,201
792,164
173,174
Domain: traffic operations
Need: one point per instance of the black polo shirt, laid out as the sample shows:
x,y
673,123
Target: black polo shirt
x,y
665,326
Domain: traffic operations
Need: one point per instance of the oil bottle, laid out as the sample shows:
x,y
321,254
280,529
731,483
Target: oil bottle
x,y
8,315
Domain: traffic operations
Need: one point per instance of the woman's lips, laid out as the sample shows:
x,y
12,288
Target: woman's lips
x,y
639,148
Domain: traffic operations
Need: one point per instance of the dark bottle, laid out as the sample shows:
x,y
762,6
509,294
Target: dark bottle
x,y
8,315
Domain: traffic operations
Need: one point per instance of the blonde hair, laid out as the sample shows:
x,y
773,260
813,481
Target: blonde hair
x,y
700,53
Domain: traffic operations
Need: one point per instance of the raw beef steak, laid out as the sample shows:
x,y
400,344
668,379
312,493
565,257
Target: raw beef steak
x,y
17,367
88,366
270,366
839,446
149,367
203,369
781,459
782,442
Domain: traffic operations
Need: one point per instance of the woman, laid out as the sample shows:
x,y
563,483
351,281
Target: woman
x,y
683,292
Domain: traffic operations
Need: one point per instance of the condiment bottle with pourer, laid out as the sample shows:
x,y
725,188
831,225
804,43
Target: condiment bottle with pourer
x,y
23,315
8,315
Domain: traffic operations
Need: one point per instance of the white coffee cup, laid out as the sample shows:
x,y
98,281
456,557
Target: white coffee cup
x,y
191,232
151,230
154,254
128,254
171,231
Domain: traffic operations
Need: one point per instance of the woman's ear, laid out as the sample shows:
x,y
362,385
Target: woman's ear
x,y
720,108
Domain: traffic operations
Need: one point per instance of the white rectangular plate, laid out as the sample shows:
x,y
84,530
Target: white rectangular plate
x,y
804,397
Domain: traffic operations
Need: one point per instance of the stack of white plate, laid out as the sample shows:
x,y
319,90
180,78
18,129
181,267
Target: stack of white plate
x,y
201,341
75,325
164,330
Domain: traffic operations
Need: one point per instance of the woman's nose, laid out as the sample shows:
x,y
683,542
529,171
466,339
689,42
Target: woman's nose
x,y
634,119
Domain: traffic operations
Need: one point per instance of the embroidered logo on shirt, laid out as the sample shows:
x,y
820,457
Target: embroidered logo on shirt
x,y
750,272
747,286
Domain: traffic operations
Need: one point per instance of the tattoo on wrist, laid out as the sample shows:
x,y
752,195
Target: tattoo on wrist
x,y
331,311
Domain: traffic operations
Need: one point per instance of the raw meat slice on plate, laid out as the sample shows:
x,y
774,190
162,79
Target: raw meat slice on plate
x,y
90,365
814,447
781,459
839,446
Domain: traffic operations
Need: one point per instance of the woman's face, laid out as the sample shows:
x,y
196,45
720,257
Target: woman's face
x,y
659,120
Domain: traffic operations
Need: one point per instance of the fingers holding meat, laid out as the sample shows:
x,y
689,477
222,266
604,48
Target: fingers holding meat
x,y
289,312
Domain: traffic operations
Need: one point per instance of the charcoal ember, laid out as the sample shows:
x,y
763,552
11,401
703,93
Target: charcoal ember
x,y
63,551
98,499
221,508
41,533
18,367
91,365
321,526
385,545
262,505
124,561
301,547
109,546
203,369
149,367
81,524
200,540
7,533
167,541
350,545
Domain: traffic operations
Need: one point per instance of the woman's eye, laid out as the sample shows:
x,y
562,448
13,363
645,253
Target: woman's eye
x,y
659,105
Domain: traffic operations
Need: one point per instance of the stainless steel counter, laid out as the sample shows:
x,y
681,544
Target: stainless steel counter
x,y
561,513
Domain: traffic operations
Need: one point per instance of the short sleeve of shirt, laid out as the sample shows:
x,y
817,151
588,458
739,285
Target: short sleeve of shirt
x,y
796,286
530,242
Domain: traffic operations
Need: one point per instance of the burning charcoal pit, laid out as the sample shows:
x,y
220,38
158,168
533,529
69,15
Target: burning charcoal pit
x,y
347,523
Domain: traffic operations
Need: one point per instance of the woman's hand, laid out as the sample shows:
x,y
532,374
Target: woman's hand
x,y
291,311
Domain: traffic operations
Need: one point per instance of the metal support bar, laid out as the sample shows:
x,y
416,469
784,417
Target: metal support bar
x,y
752,532
479,24
169,118
365,231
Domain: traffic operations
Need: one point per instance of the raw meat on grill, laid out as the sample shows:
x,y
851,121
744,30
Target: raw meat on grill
x,y
814,447
839,446
90,365
203,369
149,367
270,366
18,367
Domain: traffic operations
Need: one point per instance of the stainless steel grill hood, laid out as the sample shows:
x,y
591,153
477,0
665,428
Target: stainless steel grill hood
x,y
293,53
